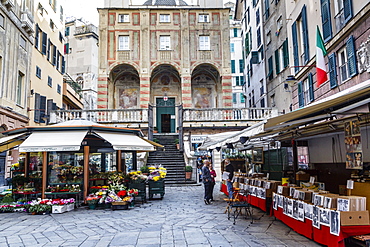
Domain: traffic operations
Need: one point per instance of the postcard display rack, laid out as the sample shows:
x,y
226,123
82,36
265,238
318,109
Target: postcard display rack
x,y
260,190
321,216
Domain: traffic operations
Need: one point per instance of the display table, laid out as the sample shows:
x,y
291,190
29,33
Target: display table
x,y
322,235
253,200
26,194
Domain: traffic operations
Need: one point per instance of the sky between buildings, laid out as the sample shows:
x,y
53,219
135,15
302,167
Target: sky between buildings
x,y
87,9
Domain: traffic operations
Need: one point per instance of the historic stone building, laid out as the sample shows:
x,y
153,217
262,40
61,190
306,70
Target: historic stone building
x,y
171,54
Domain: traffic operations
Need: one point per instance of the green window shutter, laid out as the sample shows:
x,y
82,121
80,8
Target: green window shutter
x,y
310,84
241,65
48,51
286,53
242,80
237,83
270,67
277,61
235,32
351,56
232,66
37,36
234,98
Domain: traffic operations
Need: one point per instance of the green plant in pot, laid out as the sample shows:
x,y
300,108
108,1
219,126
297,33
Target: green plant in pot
x,y
188,171
144,169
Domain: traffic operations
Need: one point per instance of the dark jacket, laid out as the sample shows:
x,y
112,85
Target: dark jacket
x,y
230,169
206,174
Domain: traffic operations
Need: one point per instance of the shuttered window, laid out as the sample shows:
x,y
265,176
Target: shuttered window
x,y
347,8
300,95
277,61
232,66
241,65
295,46
310,86
326,21
332,70
305,35
44,43
285,53
351,56
270,67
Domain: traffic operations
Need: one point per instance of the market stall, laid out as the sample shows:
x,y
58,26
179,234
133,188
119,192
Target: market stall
x,y
63,157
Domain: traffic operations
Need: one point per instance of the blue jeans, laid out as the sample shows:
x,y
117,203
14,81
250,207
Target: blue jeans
x,y
230,189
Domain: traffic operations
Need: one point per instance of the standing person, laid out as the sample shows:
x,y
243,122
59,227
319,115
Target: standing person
x,y
213,175
230,169
207,180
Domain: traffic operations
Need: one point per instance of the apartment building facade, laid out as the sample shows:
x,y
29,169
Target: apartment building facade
x,y
237,60
344,29
81,50
48,63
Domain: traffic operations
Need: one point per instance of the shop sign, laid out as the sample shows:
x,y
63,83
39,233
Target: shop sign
x,y
198,138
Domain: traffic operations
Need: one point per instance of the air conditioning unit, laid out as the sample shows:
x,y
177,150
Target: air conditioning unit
x,y
9,4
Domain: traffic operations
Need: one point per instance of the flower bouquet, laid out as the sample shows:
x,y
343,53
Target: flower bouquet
x,y
137,177
10,208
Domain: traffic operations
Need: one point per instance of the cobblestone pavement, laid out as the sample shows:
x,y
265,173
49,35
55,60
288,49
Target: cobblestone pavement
x,y
180,219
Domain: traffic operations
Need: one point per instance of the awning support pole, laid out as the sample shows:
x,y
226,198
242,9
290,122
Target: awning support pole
x,y
119,160
86,171
44,173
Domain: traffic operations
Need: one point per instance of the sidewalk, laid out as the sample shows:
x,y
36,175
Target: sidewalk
x,y
180,219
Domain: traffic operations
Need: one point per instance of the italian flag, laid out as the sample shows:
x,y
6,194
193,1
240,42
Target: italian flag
x,y
320,62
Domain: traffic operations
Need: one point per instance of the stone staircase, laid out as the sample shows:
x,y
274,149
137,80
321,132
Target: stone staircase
x,y
170,158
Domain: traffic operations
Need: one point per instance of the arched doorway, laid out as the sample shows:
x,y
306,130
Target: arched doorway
x,y
125,87
205,87
165,88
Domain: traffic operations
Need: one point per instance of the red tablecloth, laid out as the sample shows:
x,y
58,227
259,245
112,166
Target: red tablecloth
x,y
322,235
253,200
304,228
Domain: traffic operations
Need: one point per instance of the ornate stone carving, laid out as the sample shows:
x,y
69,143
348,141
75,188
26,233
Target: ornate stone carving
x,y
363,56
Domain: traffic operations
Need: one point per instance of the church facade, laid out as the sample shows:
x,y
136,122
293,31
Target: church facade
x,y
164,56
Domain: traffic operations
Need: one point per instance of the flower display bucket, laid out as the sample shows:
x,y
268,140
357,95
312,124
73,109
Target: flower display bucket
x,y
92,206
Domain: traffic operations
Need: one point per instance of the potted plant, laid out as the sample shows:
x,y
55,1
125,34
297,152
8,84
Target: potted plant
x,y
188,171
144,170
177,143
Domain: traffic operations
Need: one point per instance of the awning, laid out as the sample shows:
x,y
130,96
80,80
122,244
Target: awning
x,y
127,142
9,142
49,141
231,137
322,107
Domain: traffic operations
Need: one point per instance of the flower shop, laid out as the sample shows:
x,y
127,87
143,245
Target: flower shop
x,y
78,162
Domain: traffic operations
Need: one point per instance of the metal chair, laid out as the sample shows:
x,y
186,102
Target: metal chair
x,y
230,201
236,207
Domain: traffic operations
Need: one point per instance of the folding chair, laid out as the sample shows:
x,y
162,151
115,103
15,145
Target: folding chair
x,y
236,208
230,201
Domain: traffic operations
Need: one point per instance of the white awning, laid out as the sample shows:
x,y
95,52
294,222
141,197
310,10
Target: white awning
x,y
214,141
125,141
49,141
